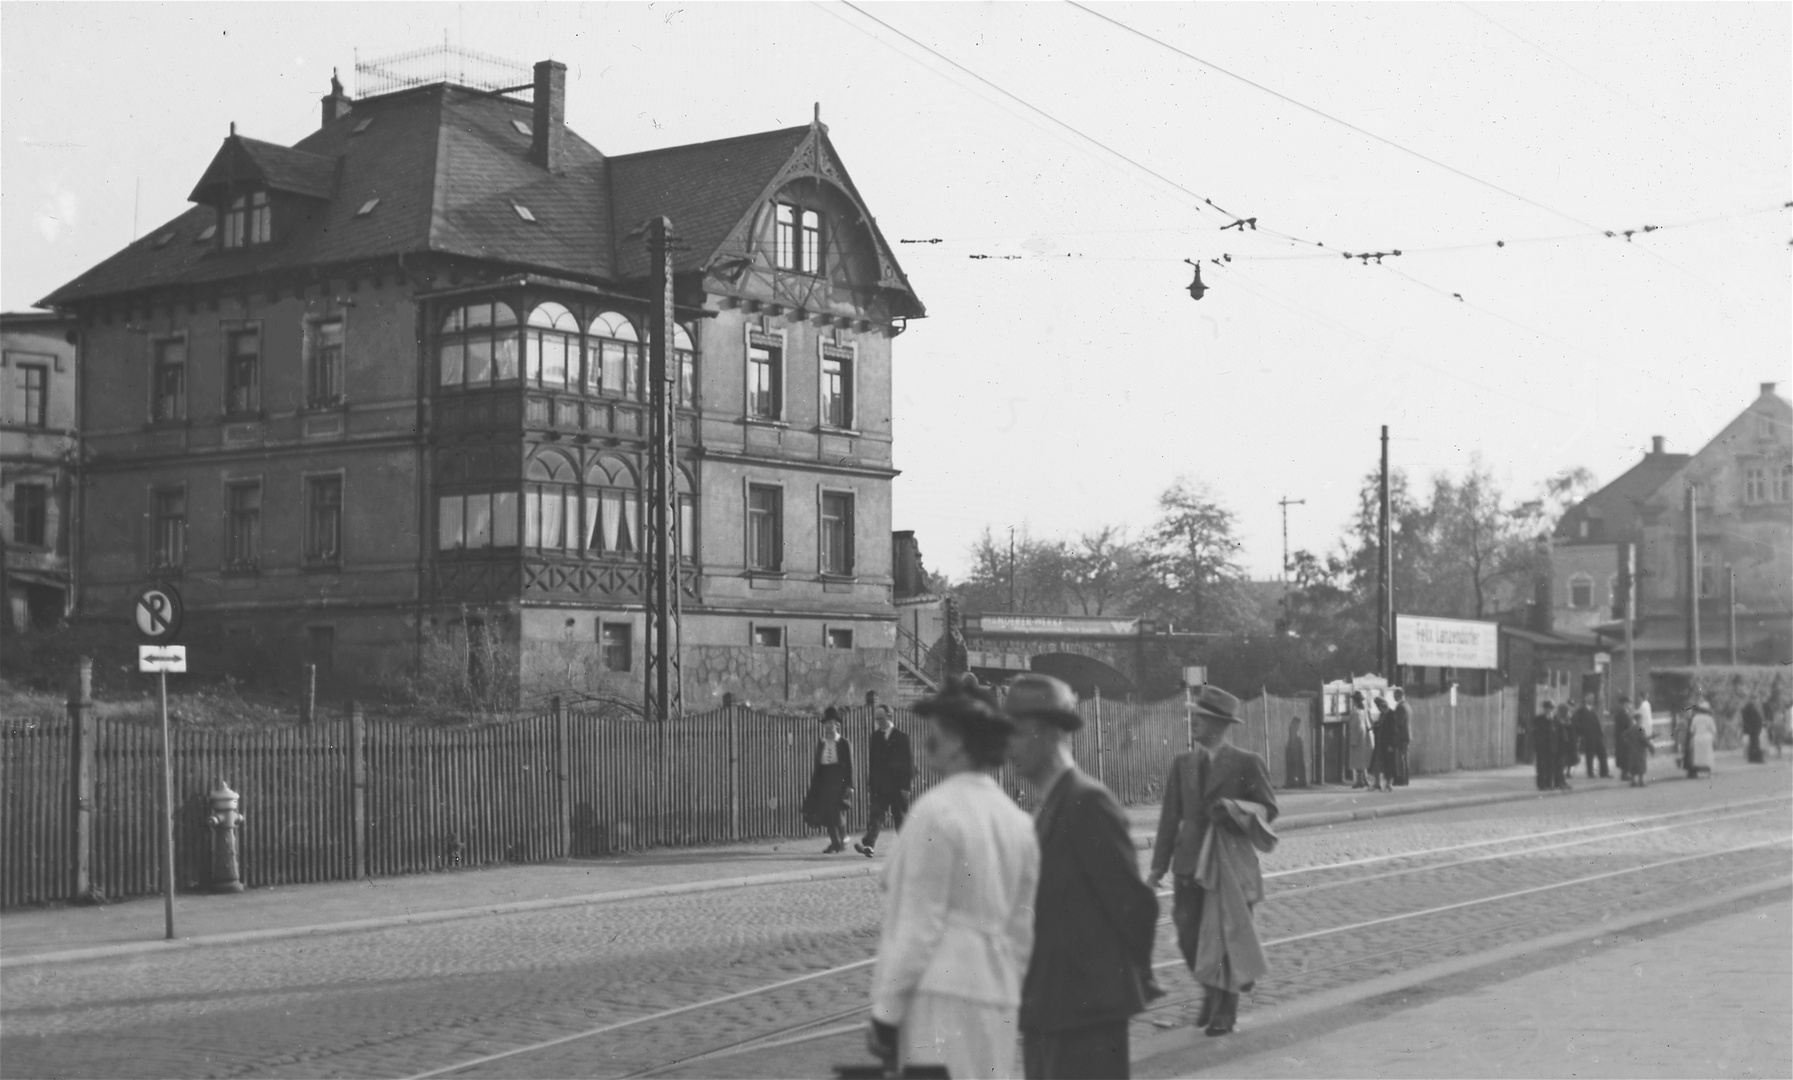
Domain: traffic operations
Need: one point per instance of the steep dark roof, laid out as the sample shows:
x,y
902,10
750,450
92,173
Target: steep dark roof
x,y
450,167
1611,513
276,167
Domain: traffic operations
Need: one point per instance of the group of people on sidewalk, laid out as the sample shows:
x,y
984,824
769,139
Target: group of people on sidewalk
x,y
995,921
1561,737
1376,747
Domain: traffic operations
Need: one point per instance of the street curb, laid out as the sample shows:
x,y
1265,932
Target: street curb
x,y
102,952
1142,841
1267,1026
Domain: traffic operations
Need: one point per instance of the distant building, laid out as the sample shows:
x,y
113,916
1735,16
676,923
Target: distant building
x,y
38,447
1745,523
376,401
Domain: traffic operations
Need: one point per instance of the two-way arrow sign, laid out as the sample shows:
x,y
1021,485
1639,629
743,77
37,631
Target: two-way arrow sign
x,y
161,658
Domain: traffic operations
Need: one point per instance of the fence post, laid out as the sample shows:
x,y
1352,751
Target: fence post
x,y
1099,736
358,781
1451,707
563,775
1264,704
81,755
731,728
308,694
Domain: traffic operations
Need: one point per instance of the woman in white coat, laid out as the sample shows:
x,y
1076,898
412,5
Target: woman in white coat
x,y
1702,733
958,902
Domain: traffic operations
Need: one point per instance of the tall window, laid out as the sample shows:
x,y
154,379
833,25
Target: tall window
x,y
837,533
478,346
1709,573
1765,483
480,520
323,520
1581,592
688,528
242,370
1783,483
617,642
614,364
171,529
168,400
552,343
249,220
796,239
323,374
837,387
765,381
685,355
242,541
33,385
31,515
765,527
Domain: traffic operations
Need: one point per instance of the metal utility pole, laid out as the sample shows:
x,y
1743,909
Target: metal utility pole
x,y
1011,569
1385,626
1285,502
664,690
1628,597
1731,615
1693,576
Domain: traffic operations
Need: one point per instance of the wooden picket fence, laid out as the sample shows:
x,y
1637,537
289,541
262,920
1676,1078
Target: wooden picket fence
x,y
346,799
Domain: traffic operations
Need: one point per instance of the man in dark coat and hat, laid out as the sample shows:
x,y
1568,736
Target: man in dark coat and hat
x,y
889,773
1094,918
1217,809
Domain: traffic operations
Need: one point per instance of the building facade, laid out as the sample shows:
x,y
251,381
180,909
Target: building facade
x,y
39,444
378,402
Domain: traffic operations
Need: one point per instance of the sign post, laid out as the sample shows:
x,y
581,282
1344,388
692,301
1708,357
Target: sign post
x,y
158,613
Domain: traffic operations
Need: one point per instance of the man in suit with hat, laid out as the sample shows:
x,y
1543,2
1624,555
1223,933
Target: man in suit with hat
x,y
1217,808
1094,917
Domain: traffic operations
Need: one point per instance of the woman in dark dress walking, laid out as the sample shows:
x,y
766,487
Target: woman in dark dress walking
x,y
830,784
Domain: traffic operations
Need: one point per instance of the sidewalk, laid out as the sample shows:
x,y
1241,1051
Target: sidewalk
x,y
135,926
1620,1008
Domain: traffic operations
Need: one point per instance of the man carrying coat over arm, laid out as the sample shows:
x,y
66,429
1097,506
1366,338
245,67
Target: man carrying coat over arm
x,y
1094,919
1217,810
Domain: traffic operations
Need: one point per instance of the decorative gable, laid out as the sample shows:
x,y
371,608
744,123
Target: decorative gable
x,y
242,163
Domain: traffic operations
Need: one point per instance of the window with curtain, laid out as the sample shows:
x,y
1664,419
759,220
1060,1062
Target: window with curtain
x,y
168,391
171,528
242,549
765,527
323,520
242,369
613,365
323,364
477,346
685,356
837,533
552,344
837,387
765,381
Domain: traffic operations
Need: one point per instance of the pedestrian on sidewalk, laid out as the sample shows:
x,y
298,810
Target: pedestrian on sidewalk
x,y
1702,734
1752,730
958,899
1544,745
1095,918
1382,772
1294,756
889,773
830,784
1360,741
1637,749
1563,742
1591,738
1778,717
1402,730
1621,724
1217,809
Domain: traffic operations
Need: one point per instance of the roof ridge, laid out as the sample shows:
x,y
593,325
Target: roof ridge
x,y
707,143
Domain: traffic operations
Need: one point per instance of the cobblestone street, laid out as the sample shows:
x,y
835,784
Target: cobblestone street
x,y
402,1000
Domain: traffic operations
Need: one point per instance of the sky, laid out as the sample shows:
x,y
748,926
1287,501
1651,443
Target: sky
x,y
1044,171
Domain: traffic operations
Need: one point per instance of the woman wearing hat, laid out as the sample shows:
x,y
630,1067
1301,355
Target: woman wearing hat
x,y
958,902
830,784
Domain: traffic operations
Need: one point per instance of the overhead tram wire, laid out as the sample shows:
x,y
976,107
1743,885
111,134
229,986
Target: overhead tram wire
x,y
1328,116
1203,203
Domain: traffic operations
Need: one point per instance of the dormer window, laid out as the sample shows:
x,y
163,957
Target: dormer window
x,y
796,239
248,220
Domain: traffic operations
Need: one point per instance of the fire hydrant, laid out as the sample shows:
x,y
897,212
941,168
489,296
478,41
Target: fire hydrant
x,y
224,822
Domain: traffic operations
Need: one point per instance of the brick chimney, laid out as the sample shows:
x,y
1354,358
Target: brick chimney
x,y
336,103
547,143
1768,389
1656,444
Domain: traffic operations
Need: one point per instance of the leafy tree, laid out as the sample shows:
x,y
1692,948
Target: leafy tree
x,y
1191,561
1103,571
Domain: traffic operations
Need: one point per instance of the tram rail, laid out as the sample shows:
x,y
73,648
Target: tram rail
x,y
816,1027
